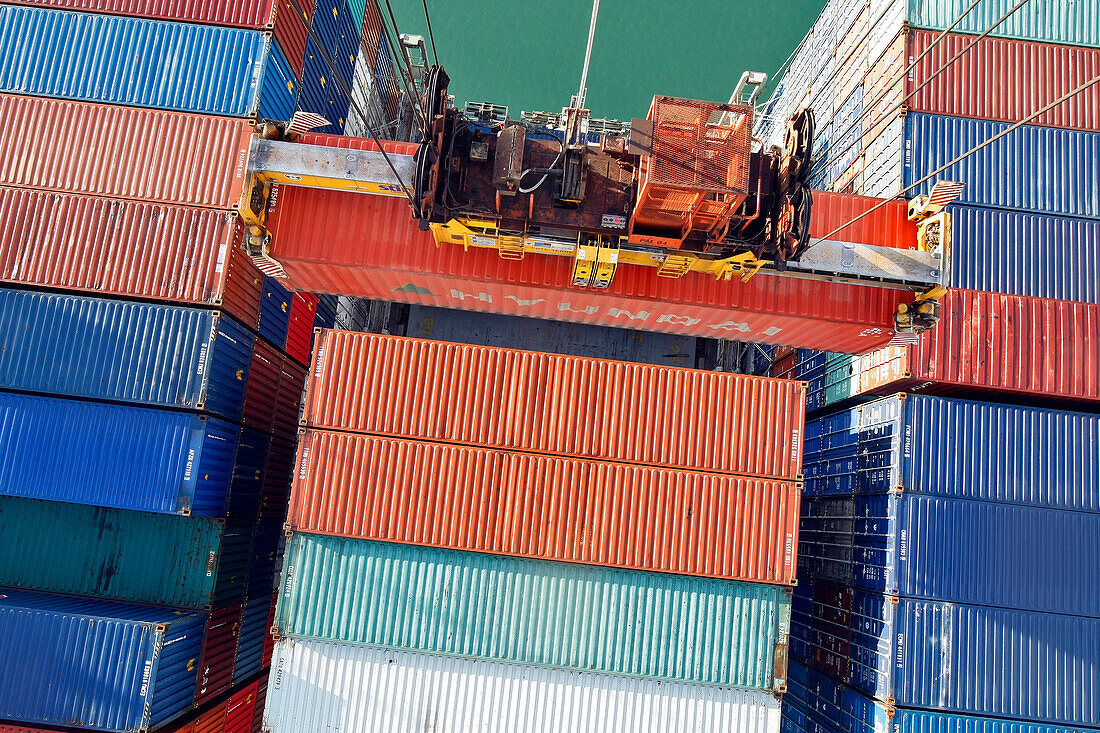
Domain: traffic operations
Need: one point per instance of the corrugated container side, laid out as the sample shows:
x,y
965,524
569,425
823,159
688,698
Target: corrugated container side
x,y
303,312
277,473
262,387
334,24
261,704
115,456
110,553
1025,254
391,690
370,32
240,710
888,226
197,161
990,661
248,474
145,354
544,507
288,403
326,313
126,248
111,666
1005,343
996,452
321,91
250,644
1074,22
911,721
219,649
235,13
291,31
275,312
208,721
386,77
332,242
269,637
265,554
199,68
1038,169
1020,77
525,400
488,606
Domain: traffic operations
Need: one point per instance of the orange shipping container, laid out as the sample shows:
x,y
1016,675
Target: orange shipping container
x,y
547,507
548,403
122,152
1032,347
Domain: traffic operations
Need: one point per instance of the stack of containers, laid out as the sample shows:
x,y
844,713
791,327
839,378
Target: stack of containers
x,y
946,567
146,346
487,538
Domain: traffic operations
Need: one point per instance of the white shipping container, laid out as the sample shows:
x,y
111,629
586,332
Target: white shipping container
x,y
367,110
320,686
882,163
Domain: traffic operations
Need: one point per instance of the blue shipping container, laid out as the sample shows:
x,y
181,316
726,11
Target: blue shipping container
x,y
123,351
958,448
145,63
1037,169
114,455
275,312
959,550
1025,254
1023,665
248,474
333,23
250,638
99,665
322,93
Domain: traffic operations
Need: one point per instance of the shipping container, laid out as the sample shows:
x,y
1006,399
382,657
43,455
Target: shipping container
x,y
964,551
911,721
322,92
1035,169
545,507
1019,78
197,159
241,710
887,225
146,354
261,704
246,490
334,25
367,113
380,689
971,450
107,666
1062,22
325,317
1023,665
547,403
493,607
115,456
219,649
1027,347
555,337
371,30
288,403
121,555
183,67
368,246
123,248
262,388
1025,254
204,720
299,333
275,312
250,643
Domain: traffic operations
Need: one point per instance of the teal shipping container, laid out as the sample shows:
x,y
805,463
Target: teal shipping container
x,y
115,455
234,72
145,353
537,612
1074,22
182,562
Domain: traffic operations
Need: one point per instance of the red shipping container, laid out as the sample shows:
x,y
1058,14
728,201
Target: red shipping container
x,y
104,246
548,507
888,226
288,402
303,309
210,721
371,33
241,709
122,152
369,246
219,650
261,391
562,405
999,79
269,640
261,700
1033,347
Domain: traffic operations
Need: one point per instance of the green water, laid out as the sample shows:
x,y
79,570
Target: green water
x,y
528,55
